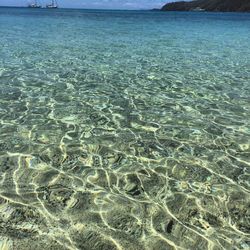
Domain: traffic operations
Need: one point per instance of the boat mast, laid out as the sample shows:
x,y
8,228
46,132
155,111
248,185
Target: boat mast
x,y
53,4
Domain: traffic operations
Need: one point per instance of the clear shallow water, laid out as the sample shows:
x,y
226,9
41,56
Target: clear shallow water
x,y
124,130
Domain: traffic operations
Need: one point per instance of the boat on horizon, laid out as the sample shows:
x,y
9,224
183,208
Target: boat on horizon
x,y
52,5
198,9
35,4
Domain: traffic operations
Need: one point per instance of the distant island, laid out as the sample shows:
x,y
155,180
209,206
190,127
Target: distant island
x,y
209,5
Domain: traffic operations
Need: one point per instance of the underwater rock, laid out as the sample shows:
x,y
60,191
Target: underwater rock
x,y
55,197
83,202
53,156
133,185
162,222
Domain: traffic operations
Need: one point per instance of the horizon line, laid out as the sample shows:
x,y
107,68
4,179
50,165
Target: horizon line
x,y
79,8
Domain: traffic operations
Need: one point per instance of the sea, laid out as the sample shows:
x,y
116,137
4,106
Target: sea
x,y
124,130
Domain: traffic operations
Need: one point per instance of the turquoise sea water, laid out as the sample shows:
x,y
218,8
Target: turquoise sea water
x,y
124,130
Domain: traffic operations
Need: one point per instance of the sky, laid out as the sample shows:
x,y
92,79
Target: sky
x,y
95,4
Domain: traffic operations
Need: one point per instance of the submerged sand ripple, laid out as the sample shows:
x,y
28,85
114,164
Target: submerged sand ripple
x,y
104,187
